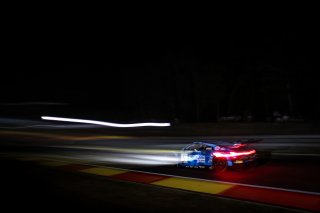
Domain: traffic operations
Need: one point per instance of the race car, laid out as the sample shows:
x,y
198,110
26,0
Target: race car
x,y
218,156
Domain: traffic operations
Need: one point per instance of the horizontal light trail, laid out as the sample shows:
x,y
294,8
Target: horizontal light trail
x,y
233,154
105,123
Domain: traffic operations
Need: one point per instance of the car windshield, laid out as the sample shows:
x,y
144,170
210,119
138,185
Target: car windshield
x,y
195,146
198,147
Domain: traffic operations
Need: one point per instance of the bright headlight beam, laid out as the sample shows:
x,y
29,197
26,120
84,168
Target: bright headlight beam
x,y
104,123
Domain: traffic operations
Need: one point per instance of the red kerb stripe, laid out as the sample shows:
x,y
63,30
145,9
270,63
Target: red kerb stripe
x,y
139,177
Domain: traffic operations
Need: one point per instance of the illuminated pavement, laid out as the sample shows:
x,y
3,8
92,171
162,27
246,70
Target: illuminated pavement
x,y
49,186
265,195
293,164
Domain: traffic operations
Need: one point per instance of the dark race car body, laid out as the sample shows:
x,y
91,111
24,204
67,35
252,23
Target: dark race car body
x,y
216,157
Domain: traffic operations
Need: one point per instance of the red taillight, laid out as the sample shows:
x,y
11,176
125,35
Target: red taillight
x,y
233,154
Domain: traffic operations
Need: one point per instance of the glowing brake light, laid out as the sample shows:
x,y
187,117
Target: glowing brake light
x,y
233,154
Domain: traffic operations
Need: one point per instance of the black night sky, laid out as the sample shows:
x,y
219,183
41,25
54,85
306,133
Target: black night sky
x,y
159,75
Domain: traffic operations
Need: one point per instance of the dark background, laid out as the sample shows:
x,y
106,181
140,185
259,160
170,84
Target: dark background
x,y
134,74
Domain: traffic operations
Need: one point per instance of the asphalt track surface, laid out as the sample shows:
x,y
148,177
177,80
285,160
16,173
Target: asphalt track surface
x,y
28,187
293,163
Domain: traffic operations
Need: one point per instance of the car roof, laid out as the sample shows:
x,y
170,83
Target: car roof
x,y
215,143
205,143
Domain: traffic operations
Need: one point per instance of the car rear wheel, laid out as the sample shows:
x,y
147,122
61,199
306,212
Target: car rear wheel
x,y
219,165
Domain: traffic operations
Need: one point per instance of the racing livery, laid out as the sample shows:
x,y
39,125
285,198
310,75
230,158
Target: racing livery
x,y
217,157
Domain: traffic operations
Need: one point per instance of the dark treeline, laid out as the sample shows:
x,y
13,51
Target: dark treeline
x,y
254,77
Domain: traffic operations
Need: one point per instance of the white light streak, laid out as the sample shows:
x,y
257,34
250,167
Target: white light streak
x,y
105,123
139,159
